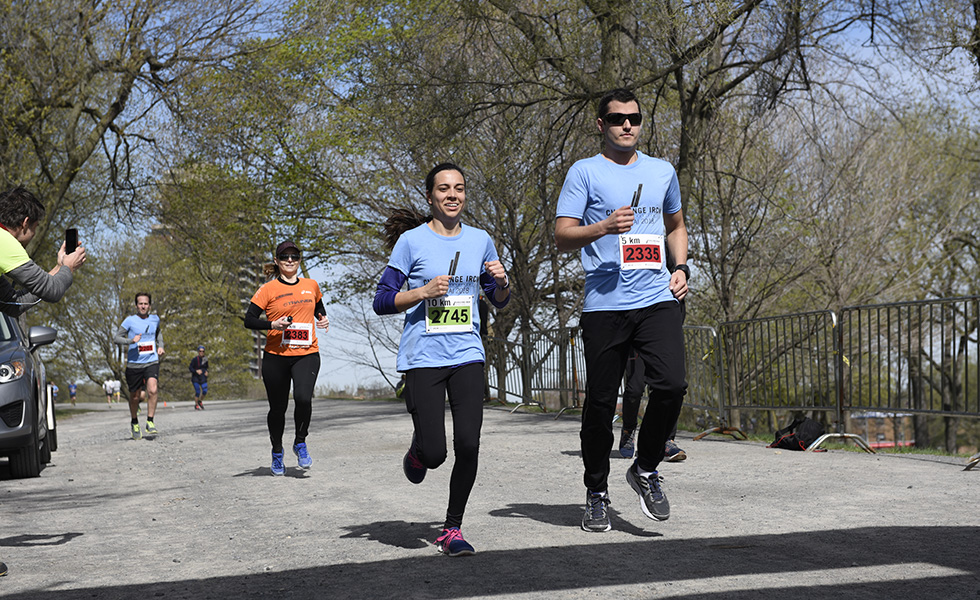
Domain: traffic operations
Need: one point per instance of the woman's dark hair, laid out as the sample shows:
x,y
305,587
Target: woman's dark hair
x,y
400,221
403,219
430,179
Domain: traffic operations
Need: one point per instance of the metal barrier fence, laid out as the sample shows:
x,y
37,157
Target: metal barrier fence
x,y
780,364
555,369
505,372
785,363
705,387
921,358
705,373
914,357
552,369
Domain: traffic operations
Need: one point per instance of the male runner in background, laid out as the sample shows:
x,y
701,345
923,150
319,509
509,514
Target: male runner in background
x,y
199,377
141,333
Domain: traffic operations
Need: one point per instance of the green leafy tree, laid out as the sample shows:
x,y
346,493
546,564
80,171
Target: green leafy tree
x,y
84,84
200,269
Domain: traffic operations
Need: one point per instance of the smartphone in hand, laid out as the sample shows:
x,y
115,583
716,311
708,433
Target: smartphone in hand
x,y
71,240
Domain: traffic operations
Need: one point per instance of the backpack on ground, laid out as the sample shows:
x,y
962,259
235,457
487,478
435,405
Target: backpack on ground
x,y
798,435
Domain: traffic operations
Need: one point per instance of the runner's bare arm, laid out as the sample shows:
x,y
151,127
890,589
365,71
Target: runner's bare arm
x,y
570,234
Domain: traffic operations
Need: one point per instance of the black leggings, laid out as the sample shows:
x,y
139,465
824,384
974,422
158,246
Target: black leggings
x,y
277,373
425,398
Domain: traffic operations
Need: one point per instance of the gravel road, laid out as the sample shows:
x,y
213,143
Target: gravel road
x,y
196,514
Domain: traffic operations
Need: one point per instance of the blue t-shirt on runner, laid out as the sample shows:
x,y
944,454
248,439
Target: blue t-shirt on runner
x,y
593,189
451,334
145,351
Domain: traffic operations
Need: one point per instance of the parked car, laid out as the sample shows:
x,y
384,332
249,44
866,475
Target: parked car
x,y
27,426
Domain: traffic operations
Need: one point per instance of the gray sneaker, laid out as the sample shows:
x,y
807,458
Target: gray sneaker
x,y
652,499
596,518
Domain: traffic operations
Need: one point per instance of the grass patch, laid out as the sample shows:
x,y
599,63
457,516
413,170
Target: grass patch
x,y
60,414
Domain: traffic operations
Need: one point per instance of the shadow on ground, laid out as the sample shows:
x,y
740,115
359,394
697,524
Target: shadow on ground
x,y
906,562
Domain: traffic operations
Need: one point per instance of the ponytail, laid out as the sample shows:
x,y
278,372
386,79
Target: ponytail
x,y
400,221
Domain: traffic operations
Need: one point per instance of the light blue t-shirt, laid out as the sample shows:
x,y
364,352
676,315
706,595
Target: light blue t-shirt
x,y
593,189
422,254
142,353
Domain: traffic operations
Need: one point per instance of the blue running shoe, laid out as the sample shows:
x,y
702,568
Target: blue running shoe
x,y
305,462
278,468
673,452
627,443
451,543
414,469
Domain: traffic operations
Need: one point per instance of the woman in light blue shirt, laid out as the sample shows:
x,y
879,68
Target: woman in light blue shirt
x,y
446,266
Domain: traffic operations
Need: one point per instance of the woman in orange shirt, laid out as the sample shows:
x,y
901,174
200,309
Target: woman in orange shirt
x,y
292,305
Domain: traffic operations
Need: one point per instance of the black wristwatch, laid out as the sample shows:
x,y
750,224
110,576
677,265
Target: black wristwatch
x,y
687,271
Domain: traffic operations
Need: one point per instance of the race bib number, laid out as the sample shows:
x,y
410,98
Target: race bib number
x,y
641,251
298,334
449,314
146,348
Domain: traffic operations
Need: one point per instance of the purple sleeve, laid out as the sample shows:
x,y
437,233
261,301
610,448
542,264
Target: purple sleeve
x,y
391,282
489,287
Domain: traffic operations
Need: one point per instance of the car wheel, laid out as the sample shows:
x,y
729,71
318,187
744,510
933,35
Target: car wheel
x,y
26,462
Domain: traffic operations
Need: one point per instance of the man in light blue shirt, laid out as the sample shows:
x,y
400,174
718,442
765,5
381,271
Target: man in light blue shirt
x,y
141,334
623,210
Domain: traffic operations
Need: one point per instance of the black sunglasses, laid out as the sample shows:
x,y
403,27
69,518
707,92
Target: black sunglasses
x,y
620,118
292,257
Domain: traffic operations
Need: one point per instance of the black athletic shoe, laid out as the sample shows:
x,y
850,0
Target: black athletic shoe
x,y
652,499
414,469
596,518
627,442
3,569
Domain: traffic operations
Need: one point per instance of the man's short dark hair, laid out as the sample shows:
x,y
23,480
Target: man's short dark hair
x,y
618,95
149,298
19,204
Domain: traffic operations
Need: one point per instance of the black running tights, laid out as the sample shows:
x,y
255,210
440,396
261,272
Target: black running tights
x,y
277,374
425,398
